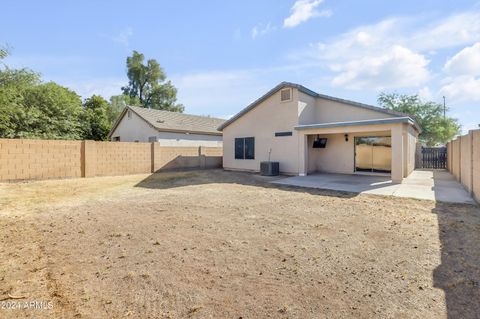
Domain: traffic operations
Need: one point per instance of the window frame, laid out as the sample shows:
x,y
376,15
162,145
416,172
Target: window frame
x,y
244,148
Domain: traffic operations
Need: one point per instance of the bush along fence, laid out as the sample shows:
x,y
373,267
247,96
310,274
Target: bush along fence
x,y
23,159
463,162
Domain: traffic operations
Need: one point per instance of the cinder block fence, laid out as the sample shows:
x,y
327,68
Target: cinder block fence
x,y
23,159
464,161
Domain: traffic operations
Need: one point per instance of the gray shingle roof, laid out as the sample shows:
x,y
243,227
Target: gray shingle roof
x,y
177,122
303,89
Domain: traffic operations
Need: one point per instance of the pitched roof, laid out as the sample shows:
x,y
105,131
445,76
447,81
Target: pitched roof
x,y
303,89
165,121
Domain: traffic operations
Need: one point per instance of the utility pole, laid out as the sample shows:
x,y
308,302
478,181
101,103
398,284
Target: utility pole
x,y
444,108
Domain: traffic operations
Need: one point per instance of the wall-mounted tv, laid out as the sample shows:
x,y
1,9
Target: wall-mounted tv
x,y
320,143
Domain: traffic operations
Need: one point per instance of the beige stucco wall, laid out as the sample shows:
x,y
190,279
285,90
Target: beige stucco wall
x,y
262,122
411,136
135,129
327,111
189,140
274,116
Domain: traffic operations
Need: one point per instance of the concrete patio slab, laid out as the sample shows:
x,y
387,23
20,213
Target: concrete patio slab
x,y
437,185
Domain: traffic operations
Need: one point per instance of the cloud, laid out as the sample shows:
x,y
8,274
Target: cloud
x,y
260,30
395,52
105,87
304,10
461,88
465,62
123,37
455,30
425,94
393,68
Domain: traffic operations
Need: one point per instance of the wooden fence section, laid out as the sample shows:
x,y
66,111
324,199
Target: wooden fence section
x,y
22,159
464,161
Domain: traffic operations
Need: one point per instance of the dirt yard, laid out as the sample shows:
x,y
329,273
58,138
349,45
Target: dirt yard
x,y
212,244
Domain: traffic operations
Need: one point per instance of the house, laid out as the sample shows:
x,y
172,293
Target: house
x,y
138,124
308,132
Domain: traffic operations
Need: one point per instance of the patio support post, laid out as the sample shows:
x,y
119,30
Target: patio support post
x,y
397,153
302,154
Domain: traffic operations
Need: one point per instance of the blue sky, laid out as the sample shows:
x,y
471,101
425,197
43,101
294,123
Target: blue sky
x,y
222,55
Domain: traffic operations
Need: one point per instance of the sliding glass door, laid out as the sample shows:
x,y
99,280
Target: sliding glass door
x,y
373,154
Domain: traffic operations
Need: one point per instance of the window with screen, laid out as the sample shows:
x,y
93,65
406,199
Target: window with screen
x,y
245,148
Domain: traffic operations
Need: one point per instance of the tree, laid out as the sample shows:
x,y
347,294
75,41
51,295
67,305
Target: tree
x,y
118,103
3,52
148,84
95,118
50,112
32,109
13,86
436,129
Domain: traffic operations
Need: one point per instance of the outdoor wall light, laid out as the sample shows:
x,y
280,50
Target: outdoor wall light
x,y
346,137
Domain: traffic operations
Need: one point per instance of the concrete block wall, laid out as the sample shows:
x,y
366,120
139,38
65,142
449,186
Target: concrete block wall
x,y
172,157
464,161
35,159
476,164
22,159
212,157
122,158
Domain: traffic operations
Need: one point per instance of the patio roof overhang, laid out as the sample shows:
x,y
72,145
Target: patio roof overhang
x,y
394,120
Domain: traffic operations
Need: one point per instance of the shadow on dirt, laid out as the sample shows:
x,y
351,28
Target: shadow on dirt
x,y
458,275
173,179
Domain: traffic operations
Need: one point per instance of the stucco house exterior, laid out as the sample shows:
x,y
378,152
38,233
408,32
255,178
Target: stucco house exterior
x,y
138,124
308,132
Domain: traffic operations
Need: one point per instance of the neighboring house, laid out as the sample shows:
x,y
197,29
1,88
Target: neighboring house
x,y
138,124
308,132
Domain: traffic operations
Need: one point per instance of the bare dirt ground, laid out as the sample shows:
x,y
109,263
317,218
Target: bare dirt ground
x,y
213,244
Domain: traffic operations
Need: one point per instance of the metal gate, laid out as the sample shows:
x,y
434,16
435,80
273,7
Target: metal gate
x,y
434,157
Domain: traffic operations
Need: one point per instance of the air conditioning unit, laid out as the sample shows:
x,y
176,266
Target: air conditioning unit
x,y
269,168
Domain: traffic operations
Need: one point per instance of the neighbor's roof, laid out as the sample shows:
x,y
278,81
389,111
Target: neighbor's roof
x,y
404,119
165,121
303,89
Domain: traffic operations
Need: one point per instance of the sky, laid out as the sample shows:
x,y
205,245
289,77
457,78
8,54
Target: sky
x,y
222,55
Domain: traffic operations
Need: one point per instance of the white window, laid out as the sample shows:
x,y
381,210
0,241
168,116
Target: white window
x,y
129,114
286,95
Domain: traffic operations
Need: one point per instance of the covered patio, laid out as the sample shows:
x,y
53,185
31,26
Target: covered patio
x,y
437,185
385,146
